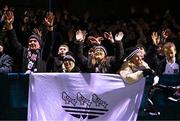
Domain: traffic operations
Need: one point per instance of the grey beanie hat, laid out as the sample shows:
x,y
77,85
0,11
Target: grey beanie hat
x,y
68,57
37,37
102,48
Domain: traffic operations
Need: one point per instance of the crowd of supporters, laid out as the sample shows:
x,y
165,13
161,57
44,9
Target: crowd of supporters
x,y
57,41
147,31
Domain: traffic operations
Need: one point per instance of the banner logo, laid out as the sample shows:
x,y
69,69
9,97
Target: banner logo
x,y
82,107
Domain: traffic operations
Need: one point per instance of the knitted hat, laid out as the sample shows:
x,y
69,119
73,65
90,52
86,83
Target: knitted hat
x,y
131,52
101,47
68,57
38,38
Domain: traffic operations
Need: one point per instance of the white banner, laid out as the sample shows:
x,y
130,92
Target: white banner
x,y
83,96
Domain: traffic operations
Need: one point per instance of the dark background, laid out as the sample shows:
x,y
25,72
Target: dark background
x,y
99,8
16,92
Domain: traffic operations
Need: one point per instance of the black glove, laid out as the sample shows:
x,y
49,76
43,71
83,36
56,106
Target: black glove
x,y
147,72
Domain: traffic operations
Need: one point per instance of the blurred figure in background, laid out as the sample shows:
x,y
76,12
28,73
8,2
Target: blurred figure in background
x,y
6,62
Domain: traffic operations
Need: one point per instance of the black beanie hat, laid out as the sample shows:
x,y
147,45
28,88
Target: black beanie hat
x,y
131,52
37,37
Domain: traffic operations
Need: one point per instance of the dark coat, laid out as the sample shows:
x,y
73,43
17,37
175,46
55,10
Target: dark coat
x,y
74,70
112,63
152,58
54,63
6,63
20,52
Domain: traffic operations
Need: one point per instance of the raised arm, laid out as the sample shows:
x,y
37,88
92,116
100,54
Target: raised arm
x,y
11,34
49,39
119,49
80,38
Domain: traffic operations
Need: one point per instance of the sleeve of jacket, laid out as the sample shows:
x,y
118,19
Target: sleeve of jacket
x,y
48,45
129,76
14,43
79,53
151,52
161,67
116,60
6,64
152,57
119,51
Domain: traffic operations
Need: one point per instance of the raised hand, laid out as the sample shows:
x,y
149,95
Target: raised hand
x,y
49,20
95,40
119,36
80,35
8,17
109,36
156,38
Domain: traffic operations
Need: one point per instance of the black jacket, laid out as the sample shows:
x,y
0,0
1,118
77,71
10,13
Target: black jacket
x,y
112,63
20,52
152,58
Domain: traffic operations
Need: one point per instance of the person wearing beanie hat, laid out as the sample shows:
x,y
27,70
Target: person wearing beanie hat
x,y
55,62
130,52
34,42
69,65
100,47
134,67
97,60
34,57
99,52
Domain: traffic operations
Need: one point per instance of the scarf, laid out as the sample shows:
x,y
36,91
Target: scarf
x,y
32,57
100,67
